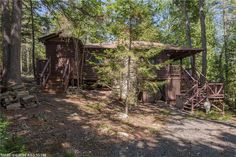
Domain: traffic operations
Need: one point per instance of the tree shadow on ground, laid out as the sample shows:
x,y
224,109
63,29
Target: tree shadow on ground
x,y
63,124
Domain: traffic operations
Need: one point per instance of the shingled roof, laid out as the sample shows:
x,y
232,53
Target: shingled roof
x,y
173,52
59,34
142,45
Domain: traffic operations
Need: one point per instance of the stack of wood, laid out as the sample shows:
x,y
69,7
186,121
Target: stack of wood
x,y
16,97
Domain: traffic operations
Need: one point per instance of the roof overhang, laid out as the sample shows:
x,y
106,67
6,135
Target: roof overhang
x,y
180,54
101,46
59,36
173,52
47,37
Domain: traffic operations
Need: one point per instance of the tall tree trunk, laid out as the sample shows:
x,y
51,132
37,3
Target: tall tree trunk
x,y
21,62
27,61
203,40
75,41
225,47
128,69
15,71
33,37
6,31
128,87
188,35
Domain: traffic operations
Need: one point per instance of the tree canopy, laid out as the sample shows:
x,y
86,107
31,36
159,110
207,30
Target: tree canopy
x,y
150,20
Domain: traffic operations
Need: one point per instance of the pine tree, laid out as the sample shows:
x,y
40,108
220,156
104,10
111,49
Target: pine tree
x,y
6,26
203,39
126,24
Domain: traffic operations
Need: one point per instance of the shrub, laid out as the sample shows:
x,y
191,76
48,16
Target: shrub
x,y
10,144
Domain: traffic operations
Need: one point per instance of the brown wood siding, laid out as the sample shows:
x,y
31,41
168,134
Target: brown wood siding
x,y
59,52
172,88
89,73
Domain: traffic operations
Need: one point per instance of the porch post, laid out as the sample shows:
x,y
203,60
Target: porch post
x,y
181,69
193,65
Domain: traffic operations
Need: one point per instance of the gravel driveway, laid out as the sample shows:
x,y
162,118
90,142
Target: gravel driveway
x,y
86,127
186,137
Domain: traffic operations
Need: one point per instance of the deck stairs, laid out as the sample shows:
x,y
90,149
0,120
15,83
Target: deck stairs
x,y
55,82
194,93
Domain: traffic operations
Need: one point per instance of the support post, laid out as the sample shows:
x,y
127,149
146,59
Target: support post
x,y
193,66
181,62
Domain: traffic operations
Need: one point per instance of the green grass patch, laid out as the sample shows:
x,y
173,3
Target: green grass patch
x,y
10,144
104,126
107,129
213,115
96,106
165,111
69,154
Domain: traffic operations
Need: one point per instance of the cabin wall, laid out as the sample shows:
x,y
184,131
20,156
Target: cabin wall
x,y
171,74
59,52
172,88
89,74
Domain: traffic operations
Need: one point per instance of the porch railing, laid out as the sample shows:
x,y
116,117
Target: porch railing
x,y
46,72
66,74
215,90
197,95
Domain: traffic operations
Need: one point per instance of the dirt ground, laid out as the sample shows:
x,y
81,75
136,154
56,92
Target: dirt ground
x,y
92,125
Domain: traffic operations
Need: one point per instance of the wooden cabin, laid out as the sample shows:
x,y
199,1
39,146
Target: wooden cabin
x,y
59,69
182,86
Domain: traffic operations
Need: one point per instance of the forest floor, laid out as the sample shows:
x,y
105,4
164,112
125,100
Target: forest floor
x,y
92,125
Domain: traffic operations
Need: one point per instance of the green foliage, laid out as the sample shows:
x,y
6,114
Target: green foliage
x,y
124,20
213,115
130,21
69,154
40,23
80,19
10,144
146,70
110,68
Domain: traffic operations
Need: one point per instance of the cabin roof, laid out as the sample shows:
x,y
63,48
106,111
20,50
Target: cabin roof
x,y
141,45
49,36
57,35
172,51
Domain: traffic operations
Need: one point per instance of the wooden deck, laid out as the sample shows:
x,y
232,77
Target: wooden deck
x,y
194,94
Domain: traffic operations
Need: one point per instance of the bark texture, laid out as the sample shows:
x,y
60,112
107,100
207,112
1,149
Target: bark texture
x,y
33,37
15,71
188,33
226,67
203,39
6,30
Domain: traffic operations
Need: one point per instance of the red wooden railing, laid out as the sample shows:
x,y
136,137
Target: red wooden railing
x,y
196,95
66,74
215,90
187,82
46,72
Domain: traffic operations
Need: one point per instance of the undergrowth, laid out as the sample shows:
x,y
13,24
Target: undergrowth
x,y
10,144
69,154
213,115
